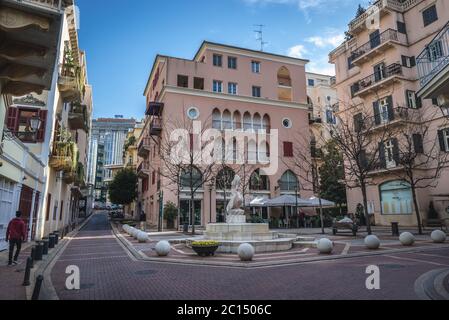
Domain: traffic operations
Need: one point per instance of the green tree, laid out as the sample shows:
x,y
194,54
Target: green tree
x,y
332,174
170,213
122,189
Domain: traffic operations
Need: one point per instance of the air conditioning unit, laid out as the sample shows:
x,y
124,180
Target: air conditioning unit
x,y
443,100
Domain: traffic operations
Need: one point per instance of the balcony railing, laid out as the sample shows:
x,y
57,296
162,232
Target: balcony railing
x,y
434,58
316,153
394,116
315,120
143,170
376,42
144,147
372,80
54,5
78,118
156,126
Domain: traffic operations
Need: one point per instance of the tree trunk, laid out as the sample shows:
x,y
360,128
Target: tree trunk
x,y
418,215
192,211
365,209
321,217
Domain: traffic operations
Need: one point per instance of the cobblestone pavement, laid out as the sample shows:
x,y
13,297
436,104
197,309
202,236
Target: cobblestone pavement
x,y
109,272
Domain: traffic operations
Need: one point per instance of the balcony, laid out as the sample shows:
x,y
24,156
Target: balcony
x,y
144,170
144,148
156,126
377,80
315,121
78,118
433,66
377,45
380,7
55,6
154,109
394,117
62,157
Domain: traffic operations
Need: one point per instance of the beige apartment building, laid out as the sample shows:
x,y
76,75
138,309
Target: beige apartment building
x,y
232,90
46,107
377,74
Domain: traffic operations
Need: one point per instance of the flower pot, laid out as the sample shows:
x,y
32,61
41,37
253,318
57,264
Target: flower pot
x,y
203,251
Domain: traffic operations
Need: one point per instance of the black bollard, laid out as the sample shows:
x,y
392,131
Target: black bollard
x,y
45,244
51,241
56,233
26,280
38,252
37,288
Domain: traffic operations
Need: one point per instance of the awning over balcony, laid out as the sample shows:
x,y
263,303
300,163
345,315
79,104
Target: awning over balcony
x,y
154,109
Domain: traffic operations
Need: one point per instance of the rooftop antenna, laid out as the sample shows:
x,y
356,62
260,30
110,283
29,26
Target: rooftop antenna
x,y
259,33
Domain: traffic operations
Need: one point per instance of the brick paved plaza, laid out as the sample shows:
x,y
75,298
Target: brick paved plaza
x,y
110,271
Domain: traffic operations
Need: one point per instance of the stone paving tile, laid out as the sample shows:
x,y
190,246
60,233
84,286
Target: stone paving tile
x,y
119,278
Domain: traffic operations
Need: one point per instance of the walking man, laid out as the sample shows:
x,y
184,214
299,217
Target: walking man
x,y
15,234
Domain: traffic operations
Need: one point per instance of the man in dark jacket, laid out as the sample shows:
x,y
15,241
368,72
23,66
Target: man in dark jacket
x,y
15,234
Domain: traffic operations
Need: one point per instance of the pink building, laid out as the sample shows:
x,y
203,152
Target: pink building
x,y
229,89
377,74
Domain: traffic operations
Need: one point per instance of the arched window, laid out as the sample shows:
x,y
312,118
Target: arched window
x,y
396,197
234,149
257,122
259,182
264,151
237,120
266,125
284,78
252,152
225,178
247,121
216,119
227,120
191,177
289,181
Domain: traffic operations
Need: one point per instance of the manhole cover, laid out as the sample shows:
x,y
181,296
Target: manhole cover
x,y
85,286
145,272
392,266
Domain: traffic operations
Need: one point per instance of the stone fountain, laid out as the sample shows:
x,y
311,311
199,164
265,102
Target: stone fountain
x,y
237,231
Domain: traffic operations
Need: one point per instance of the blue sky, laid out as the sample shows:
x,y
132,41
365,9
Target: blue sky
x,y
122,37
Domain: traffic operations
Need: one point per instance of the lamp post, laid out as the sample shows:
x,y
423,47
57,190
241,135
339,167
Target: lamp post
x,y
211,188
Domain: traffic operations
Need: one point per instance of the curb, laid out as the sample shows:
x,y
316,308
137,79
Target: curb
x,y
45,267
239,265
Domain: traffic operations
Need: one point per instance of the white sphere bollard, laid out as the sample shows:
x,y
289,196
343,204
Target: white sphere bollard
x,y
246,252
163,248
325,246
372,242
407,239
438,236
142,237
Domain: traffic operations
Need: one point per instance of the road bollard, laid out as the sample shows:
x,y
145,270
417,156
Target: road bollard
x,y
26,279
45,248
38,251
56,233
37,288
51,241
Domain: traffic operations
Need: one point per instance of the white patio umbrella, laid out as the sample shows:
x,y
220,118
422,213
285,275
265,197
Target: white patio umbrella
x,y
287,201
315,202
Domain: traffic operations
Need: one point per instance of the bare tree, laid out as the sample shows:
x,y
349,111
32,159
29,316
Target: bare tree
x,y
358,139
415,155
181,158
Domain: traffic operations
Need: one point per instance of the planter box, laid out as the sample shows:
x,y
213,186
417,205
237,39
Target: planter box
x,y
205,251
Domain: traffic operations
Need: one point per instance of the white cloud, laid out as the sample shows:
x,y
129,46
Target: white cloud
x,y
331,40
297,51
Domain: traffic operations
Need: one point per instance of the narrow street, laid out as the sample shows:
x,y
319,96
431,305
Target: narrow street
x,y
109,272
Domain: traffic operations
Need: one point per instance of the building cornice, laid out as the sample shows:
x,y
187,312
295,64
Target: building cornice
x,y
223,96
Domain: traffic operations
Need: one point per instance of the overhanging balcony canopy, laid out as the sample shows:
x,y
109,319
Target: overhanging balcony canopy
x,y
154,109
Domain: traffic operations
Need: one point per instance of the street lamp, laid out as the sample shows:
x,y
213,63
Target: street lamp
x,y
211,188
35,124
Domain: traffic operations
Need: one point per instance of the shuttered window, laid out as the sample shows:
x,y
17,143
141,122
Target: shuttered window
x,y
418,143
288,149
430,15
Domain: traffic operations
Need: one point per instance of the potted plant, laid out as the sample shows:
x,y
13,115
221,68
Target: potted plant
x,y
205,248
170,214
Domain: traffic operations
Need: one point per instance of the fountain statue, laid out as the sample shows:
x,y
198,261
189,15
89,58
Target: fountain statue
x,y
235,214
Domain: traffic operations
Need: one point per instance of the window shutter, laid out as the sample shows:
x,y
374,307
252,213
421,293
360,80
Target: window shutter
x,y
358,122
404,61
390,108
441,139
412,61
41,133
396,151
12,122
382,159
288,149
377,118
418,143
418,102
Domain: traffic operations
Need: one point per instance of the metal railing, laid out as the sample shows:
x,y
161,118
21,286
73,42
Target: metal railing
x,y
388,35
57,5
371,80
435,57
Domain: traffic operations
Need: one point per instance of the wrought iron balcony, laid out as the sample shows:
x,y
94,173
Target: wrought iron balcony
x,y
52,5
434,58
144,169
376,45
376,80
156,126
78,118
144,147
